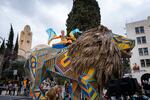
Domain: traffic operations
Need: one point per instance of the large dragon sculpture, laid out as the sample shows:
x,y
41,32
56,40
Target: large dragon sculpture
x,y
89,62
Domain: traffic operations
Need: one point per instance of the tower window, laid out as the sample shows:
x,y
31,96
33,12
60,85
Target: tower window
x,y
140,51
142,62
21,41
139,30
28,41
29,34
148,62
138,40
143,51
142,29
145,62
141,40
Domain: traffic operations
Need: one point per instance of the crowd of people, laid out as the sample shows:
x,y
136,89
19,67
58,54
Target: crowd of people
x,y
59,92
55,91
14,87
22,88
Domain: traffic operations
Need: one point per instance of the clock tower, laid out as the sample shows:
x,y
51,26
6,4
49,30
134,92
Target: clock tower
x,y
25,42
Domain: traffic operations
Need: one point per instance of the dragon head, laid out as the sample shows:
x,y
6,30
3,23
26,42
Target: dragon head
x,y
124,44
101,49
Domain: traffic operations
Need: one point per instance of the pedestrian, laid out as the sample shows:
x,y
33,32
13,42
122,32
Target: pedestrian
x,y
28,87
66,90
51,94
58,90
10,88
19,88
7,89
70,90
1,88
14,88
25,89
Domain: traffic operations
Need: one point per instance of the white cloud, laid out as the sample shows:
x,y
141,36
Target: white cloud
x,y
116,13
132,2
41,15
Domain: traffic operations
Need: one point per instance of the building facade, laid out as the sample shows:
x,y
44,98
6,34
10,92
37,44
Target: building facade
x,y
25,42
140,32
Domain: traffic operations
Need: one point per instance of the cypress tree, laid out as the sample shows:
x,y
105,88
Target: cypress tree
x,y
85,14
9,44
10,39
15,53
8,52
2,48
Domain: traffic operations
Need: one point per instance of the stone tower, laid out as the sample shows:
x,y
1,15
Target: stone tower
x,y
25,42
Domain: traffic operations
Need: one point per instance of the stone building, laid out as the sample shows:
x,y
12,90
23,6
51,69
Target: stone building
x,y
140,32
25,42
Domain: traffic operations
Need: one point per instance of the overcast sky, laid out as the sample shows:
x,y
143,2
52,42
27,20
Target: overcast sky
x,y
42,14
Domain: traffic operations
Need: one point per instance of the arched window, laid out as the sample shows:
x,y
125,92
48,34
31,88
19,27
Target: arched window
x,y
21,41
29,34
28,41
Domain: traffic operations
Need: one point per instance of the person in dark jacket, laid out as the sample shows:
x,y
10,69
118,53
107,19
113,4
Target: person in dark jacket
x,y
1,88
13,88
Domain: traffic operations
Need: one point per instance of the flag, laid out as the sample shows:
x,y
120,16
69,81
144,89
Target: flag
x,y
71,34
51,34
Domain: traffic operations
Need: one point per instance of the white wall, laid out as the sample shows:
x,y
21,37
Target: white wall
x,y
130,28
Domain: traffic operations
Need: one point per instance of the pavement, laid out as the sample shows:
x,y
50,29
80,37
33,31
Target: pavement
x,y
8,97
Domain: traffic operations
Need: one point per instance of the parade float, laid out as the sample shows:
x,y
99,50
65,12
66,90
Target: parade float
x,y
88,61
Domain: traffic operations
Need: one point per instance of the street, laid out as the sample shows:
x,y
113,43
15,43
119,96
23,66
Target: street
x,y
8,97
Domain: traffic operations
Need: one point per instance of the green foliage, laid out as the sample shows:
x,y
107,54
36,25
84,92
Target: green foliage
x,y
85,14
126,66
10,39
19,66
15,53
8,52
15,65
